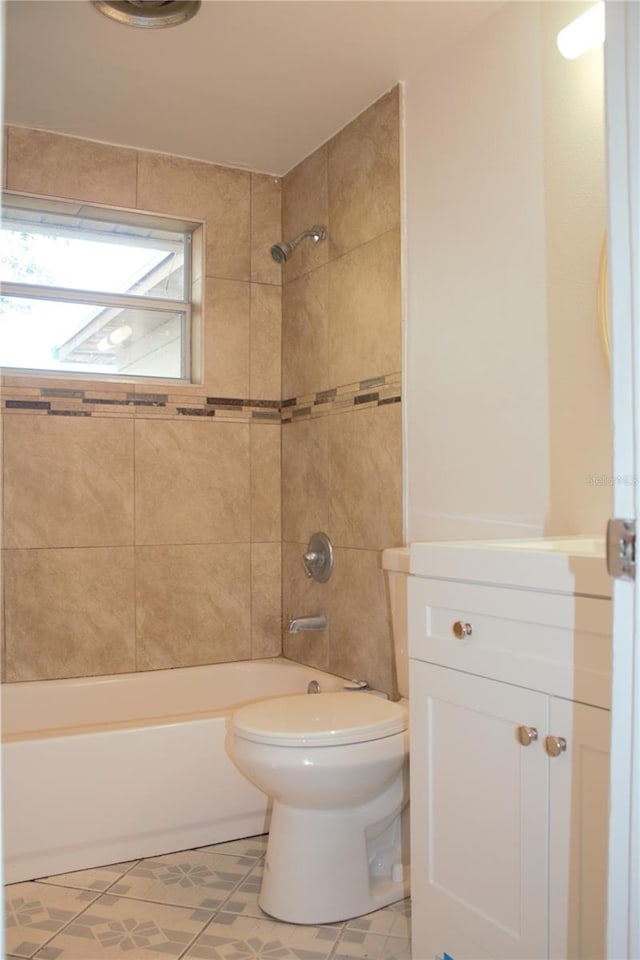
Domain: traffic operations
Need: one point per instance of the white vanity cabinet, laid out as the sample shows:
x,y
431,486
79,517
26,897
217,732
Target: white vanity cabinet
x,y
509,698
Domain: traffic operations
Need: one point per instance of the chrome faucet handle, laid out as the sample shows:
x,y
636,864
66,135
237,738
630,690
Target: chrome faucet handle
x,y
309,560
318,559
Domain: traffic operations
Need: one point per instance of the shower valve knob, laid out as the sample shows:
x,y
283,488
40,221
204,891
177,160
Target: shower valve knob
x,y
318,558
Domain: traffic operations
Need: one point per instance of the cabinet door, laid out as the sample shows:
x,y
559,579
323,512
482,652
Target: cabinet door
x,y
479,818
579,823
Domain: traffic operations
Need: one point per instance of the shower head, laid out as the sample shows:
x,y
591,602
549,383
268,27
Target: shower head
x,y
282,251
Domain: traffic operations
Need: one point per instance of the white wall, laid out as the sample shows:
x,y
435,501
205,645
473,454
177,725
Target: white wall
x,y
575,194
507,394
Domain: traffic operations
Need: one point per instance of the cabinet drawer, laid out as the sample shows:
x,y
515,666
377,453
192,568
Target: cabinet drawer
x,y
555,643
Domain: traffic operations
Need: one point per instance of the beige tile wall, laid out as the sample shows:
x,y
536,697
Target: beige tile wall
x,y
342,326
135,538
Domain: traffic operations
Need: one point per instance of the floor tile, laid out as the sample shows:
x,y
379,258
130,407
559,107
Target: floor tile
x,y
98,879
232,937
114,927
251,847
244,899
195,904
391,921
355,943
190,878
34,912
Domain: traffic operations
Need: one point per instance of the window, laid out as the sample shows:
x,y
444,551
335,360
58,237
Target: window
x,y
91,290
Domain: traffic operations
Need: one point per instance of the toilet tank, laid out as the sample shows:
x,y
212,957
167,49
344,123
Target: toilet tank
x,y
395,561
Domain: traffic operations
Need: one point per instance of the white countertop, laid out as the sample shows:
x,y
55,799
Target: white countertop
x,y
574,565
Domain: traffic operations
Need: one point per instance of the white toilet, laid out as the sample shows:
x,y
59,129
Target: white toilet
x,y
336,768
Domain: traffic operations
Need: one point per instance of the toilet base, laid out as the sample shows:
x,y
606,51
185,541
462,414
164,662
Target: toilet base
x,y
323,866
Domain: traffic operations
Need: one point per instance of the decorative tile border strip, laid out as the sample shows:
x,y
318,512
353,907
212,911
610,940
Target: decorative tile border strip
x,y
71,402
376,392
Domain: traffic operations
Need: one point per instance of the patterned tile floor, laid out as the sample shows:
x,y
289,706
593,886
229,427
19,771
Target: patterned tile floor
x,y
194,904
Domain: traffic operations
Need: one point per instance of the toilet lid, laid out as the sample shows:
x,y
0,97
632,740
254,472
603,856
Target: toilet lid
x,y
319,720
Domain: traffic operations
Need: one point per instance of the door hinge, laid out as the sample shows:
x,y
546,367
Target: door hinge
x,y
621,549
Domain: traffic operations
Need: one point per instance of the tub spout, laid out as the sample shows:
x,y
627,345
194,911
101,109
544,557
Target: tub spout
x,y
298,624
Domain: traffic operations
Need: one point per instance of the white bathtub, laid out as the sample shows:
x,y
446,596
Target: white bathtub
x,y
104,769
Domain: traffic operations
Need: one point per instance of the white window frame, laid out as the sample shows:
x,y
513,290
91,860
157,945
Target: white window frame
x,y
187,307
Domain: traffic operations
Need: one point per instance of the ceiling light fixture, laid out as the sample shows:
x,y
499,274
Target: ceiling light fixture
x,y
583,33
148,13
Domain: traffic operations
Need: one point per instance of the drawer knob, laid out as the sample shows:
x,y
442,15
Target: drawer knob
x,y
462,629
555,745
526,735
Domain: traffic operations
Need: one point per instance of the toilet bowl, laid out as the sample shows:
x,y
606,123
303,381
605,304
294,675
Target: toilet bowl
x,y
336,768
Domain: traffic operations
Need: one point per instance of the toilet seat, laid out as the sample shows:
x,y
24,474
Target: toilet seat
x,y
320,720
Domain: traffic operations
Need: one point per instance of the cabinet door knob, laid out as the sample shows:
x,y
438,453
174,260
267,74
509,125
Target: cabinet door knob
x,y
555,745
462,629
526,735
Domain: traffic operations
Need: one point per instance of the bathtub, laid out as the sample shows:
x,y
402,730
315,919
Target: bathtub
x,y
105,769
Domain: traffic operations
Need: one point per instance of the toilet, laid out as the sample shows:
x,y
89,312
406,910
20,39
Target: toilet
x,y
336,768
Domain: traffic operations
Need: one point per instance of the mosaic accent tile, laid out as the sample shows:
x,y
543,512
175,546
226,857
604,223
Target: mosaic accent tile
x,y
344,398
34,912
195,412
98,879
372,947
107,401
225,402
147,399
27,405
366,398
21,392
266,415
114,927
372,382
69,413
62,392
95,396
324,395
250,938
69,406
191,878
67,401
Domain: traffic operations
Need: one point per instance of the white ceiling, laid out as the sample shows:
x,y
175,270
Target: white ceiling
x,y
248,83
